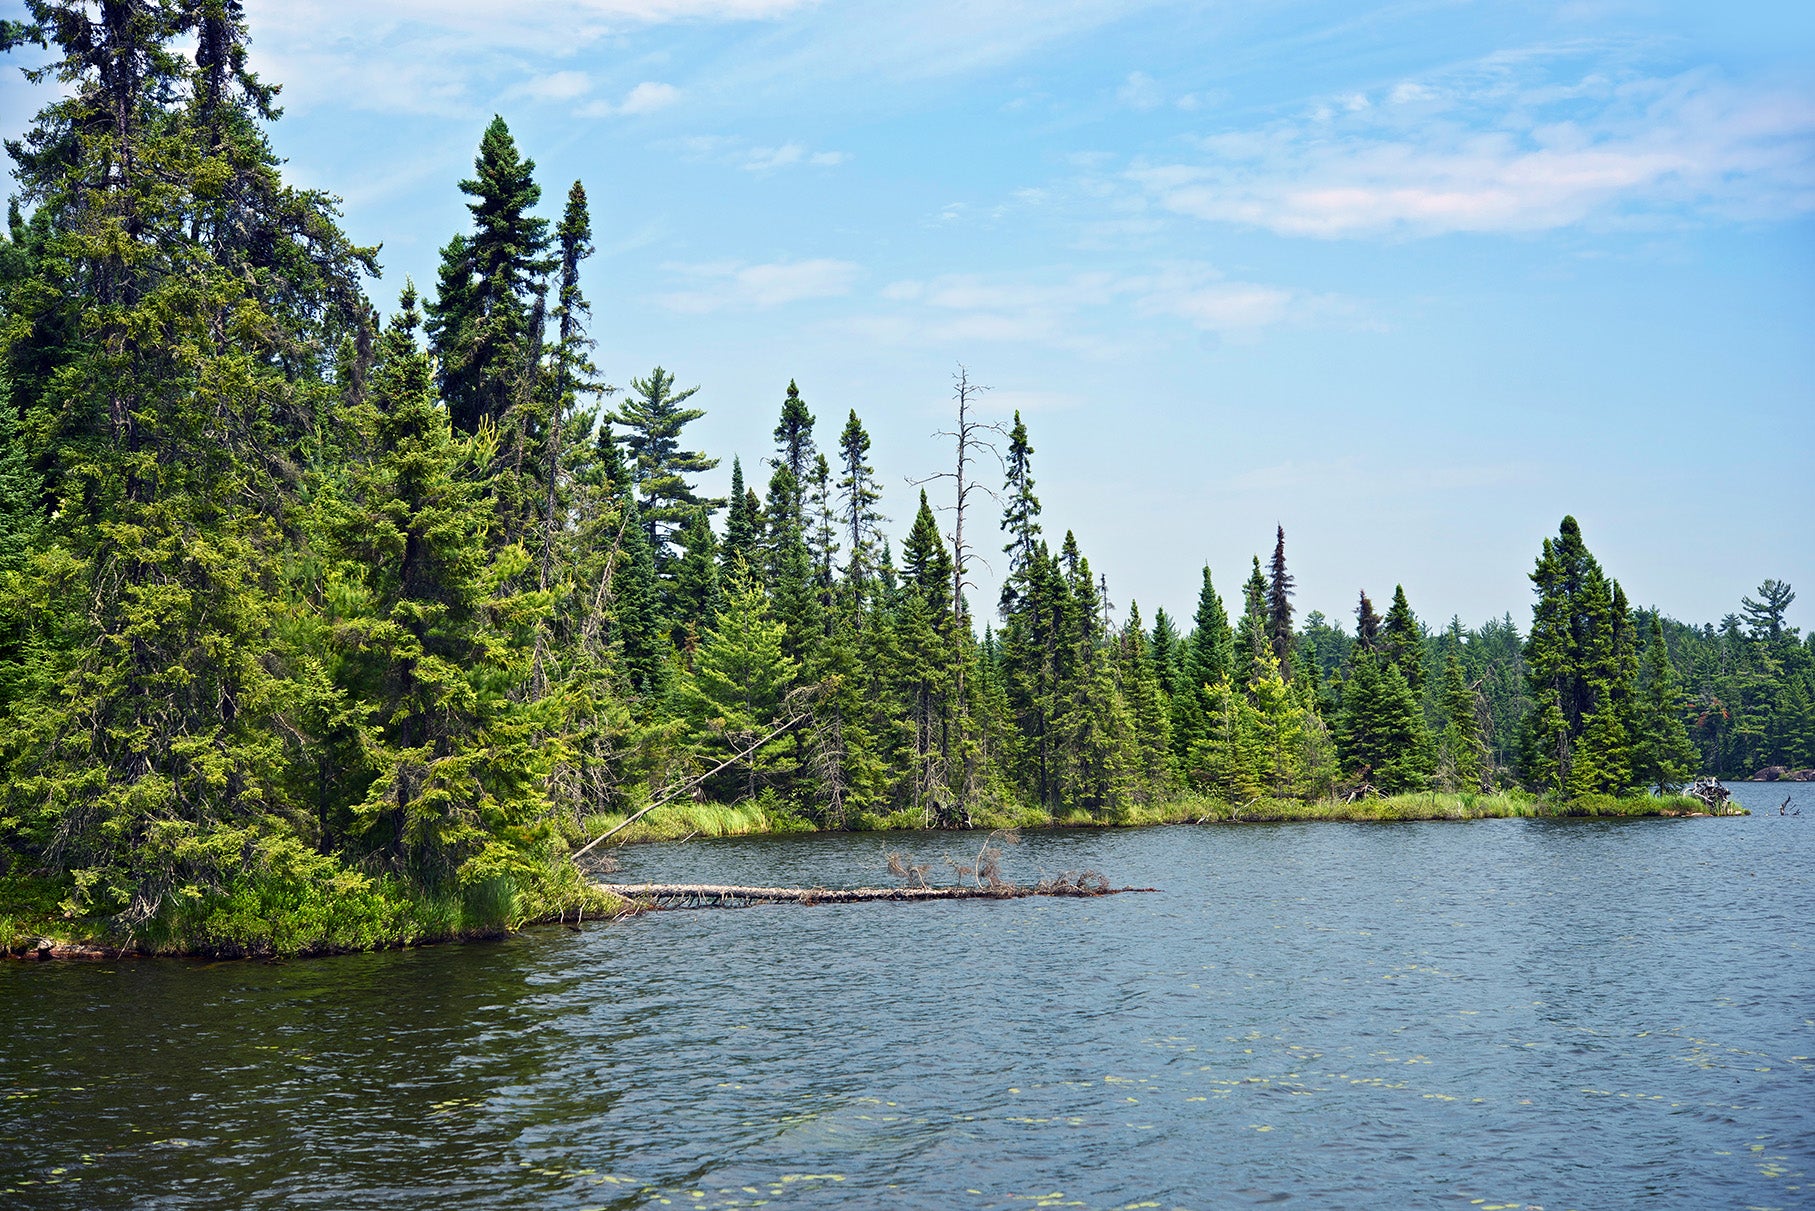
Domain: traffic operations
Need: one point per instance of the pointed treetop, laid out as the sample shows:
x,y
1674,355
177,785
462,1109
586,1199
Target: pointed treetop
x,y
794,448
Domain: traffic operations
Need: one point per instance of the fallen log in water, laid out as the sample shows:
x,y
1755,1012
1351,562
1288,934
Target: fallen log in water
x,y
704,895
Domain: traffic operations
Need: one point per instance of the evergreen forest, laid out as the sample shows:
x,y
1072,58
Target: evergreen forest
x,y
323,625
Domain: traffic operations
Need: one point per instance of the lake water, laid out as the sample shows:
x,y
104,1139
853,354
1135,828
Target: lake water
x,y
1497,1014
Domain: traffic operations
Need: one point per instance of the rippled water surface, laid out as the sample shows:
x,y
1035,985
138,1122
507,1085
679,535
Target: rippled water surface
x,y
1491,1014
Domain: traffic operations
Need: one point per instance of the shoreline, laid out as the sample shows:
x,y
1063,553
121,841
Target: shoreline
x,y
33,938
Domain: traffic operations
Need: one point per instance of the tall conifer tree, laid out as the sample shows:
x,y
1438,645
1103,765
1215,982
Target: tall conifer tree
x,y
1279,606
480,323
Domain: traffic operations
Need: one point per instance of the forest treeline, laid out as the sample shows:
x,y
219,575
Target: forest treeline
x,y
316,615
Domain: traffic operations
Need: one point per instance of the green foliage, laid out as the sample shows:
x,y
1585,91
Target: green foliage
x,y
480,325
1252,641
313,638
653,420
733,696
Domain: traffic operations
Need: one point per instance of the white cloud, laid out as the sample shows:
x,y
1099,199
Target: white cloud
x,y
645,98
717,285
559,26
768,159
755,158
556,86
1506,161
1140,91
458,58
1060,311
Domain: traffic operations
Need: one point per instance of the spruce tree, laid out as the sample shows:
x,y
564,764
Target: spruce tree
x,y
1402,641
573,376
1207,659
1367,624
427,642
733,696
1209,655
1021,510
794,447
1138,675
1577,737
858,490
691,593
1167,647
200,295
1459,757
924,675
1279,606
1251,640
635,604
480,324
1663,757
1279,724
821,532
653,419
743,523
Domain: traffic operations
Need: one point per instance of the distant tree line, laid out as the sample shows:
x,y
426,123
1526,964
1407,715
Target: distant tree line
x,y
285,586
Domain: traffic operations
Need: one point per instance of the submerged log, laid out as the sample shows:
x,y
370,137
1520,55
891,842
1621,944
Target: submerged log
x,y
713,895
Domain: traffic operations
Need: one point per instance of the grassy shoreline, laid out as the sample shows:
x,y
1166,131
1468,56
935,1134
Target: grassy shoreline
x,y
278,919
683,821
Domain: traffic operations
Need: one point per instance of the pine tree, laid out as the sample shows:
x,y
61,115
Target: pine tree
x,y
1138,675
1459,765
1021,511
635,603
691,594
198,295
794,448
1663,757
857,488
427,644
1367,624
480,324
653,419
1402,641
1580,664
734,694
1279,606
1251,640
744,523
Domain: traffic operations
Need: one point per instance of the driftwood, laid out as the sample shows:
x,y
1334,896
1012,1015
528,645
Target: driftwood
x,y
712,895
1712,794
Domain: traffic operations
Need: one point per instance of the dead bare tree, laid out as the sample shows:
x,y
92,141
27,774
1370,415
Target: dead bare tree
x,y
971,438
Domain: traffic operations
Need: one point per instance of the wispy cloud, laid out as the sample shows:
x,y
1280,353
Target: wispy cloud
x,y
645,98
1497,153
717,285
1069,311
756,158
1140,91
456,57
1372,477
548,25
768,159
555,86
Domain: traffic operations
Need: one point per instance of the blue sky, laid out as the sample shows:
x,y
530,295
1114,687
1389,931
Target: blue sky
x,y
1411,279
